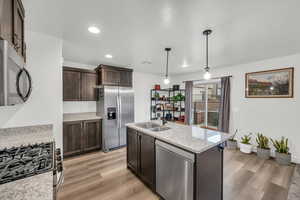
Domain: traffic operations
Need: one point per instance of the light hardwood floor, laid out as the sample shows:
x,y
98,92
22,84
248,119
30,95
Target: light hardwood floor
x,y
104,176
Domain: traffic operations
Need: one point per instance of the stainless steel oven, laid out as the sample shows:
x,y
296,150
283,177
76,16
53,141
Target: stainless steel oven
x,y
15,80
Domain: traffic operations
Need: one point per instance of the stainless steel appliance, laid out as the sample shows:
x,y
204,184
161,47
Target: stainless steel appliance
x,y
116,107
15,81
176,182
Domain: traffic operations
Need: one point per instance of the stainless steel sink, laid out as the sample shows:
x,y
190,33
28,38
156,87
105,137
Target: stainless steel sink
x,y
148,125
160,128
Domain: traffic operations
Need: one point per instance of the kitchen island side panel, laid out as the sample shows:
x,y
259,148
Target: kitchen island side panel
x,y
209,175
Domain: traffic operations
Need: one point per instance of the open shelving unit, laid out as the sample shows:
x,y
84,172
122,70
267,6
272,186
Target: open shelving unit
x,y
164,104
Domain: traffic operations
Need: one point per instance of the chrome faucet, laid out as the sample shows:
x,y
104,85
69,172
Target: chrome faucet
x,y
163,119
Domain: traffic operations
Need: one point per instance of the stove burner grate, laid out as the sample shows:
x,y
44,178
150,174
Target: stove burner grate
x,y
24,161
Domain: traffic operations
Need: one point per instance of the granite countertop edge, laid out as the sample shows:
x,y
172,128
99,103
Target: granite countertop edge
x,y
26,135
84,116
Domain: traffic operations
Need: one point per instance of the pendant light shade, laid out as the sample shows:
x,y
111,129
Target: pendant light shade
x,y
167,80
207,74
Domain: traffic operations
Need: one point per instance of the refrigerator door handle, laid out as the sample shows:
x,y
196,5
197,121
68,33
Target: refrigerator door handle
x,y
120,111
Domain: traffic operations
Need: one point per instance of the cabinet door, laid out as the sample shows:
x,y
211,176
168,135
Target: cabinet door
x,y
18,37
132,150
147,160
72,138
92,135
88,86
71,85
110,77
6,20
209,174
126,78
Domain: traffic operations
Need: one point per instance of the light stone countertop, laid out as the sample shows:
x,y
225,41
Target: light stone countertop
x,y
38,187
14,137
191,138
71,117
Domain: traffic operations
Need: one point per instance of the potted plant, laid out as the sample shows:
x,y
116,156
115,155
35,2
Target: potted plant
x,y
263,150
245,145
282,154
232,143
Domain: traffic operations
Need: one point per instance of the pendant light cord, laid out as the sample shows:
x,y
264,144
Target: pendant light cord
x,y
207,33
167,67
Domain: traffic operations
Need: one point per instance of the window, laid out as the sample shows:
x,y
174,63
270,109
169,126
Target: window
x,y
206,103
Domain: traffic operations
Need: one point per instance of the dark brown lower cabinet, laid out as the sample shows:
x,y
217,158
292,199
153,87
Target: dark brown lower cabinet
x,y
209,174
132,149
147,160
72,138
92,137
81,136
141,156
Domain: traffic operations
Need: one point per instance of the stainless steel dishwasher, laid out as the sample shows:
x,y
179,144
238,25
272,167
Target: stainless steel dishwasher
x,y
174,172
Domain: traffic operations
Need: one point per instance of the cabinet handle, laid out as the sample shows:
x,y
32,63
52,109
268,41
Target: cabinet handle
x,y
17,41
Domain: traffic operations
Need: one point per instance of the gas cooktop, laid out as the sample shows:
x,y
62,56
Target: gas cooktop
x,y
24,161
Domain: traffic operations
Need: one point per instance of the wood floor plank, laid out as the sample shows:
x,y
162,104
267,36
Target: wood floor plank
x,y
104,176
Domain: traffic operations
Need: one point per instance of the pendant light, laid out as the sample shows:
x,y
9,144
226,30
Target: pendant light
x,y
207,74
167,80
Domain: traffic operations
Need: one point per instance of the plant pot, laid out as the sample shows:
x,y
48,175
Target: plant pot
x,y
232,144
283,158
245,148
263,153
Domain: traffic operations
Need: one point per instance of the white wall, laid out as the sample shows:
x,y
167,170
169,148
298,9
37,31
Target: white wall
x,y
44,61
79,106
142,84
274,117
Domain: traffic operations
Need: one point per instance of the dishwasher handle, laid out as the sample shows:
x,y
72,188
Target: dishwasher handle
x,y
187,155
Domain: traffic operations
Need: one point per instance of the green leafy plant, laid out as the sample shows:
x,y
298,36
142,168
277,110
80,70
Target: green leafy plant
x,y
233,138
262,141
246,139
281,145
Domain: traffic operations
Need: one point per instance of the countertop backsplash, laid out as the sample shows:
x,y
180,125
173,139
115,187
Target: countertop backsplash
x,y
79,106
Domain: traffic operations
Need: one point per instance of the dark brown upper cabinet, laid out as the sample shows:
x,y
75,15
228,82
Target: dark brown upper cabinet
x,y
12,20
114,76
71,85
79,84
88,84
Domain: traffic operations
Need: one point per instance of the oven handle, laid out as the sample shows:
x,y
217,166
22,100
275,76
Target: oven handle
x,y
24,98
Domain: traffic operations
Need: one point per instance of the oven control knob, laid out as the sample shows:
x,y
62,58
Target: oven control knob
x,y
59,167
58,152
58,158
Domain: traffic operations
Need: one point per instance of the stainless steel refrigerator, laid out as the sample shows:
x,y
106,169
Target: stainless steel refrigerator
x,y
116,107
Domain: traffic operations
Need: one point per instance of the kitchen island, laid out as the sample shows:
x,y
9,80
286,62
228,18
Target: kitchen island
x,y
177,161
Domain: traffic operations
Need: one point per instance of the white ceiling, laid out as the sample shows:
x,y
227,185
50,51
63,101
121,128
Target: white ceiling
x,y
134,31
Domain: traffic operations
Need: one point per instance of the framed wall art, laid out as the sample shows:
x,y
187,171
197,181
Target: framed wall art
x,y
277,83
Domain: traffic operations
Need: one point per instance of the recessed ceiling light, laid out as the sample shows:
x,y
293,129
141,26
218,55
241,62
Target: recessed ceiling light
x,y
185,65
108,56
94,29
